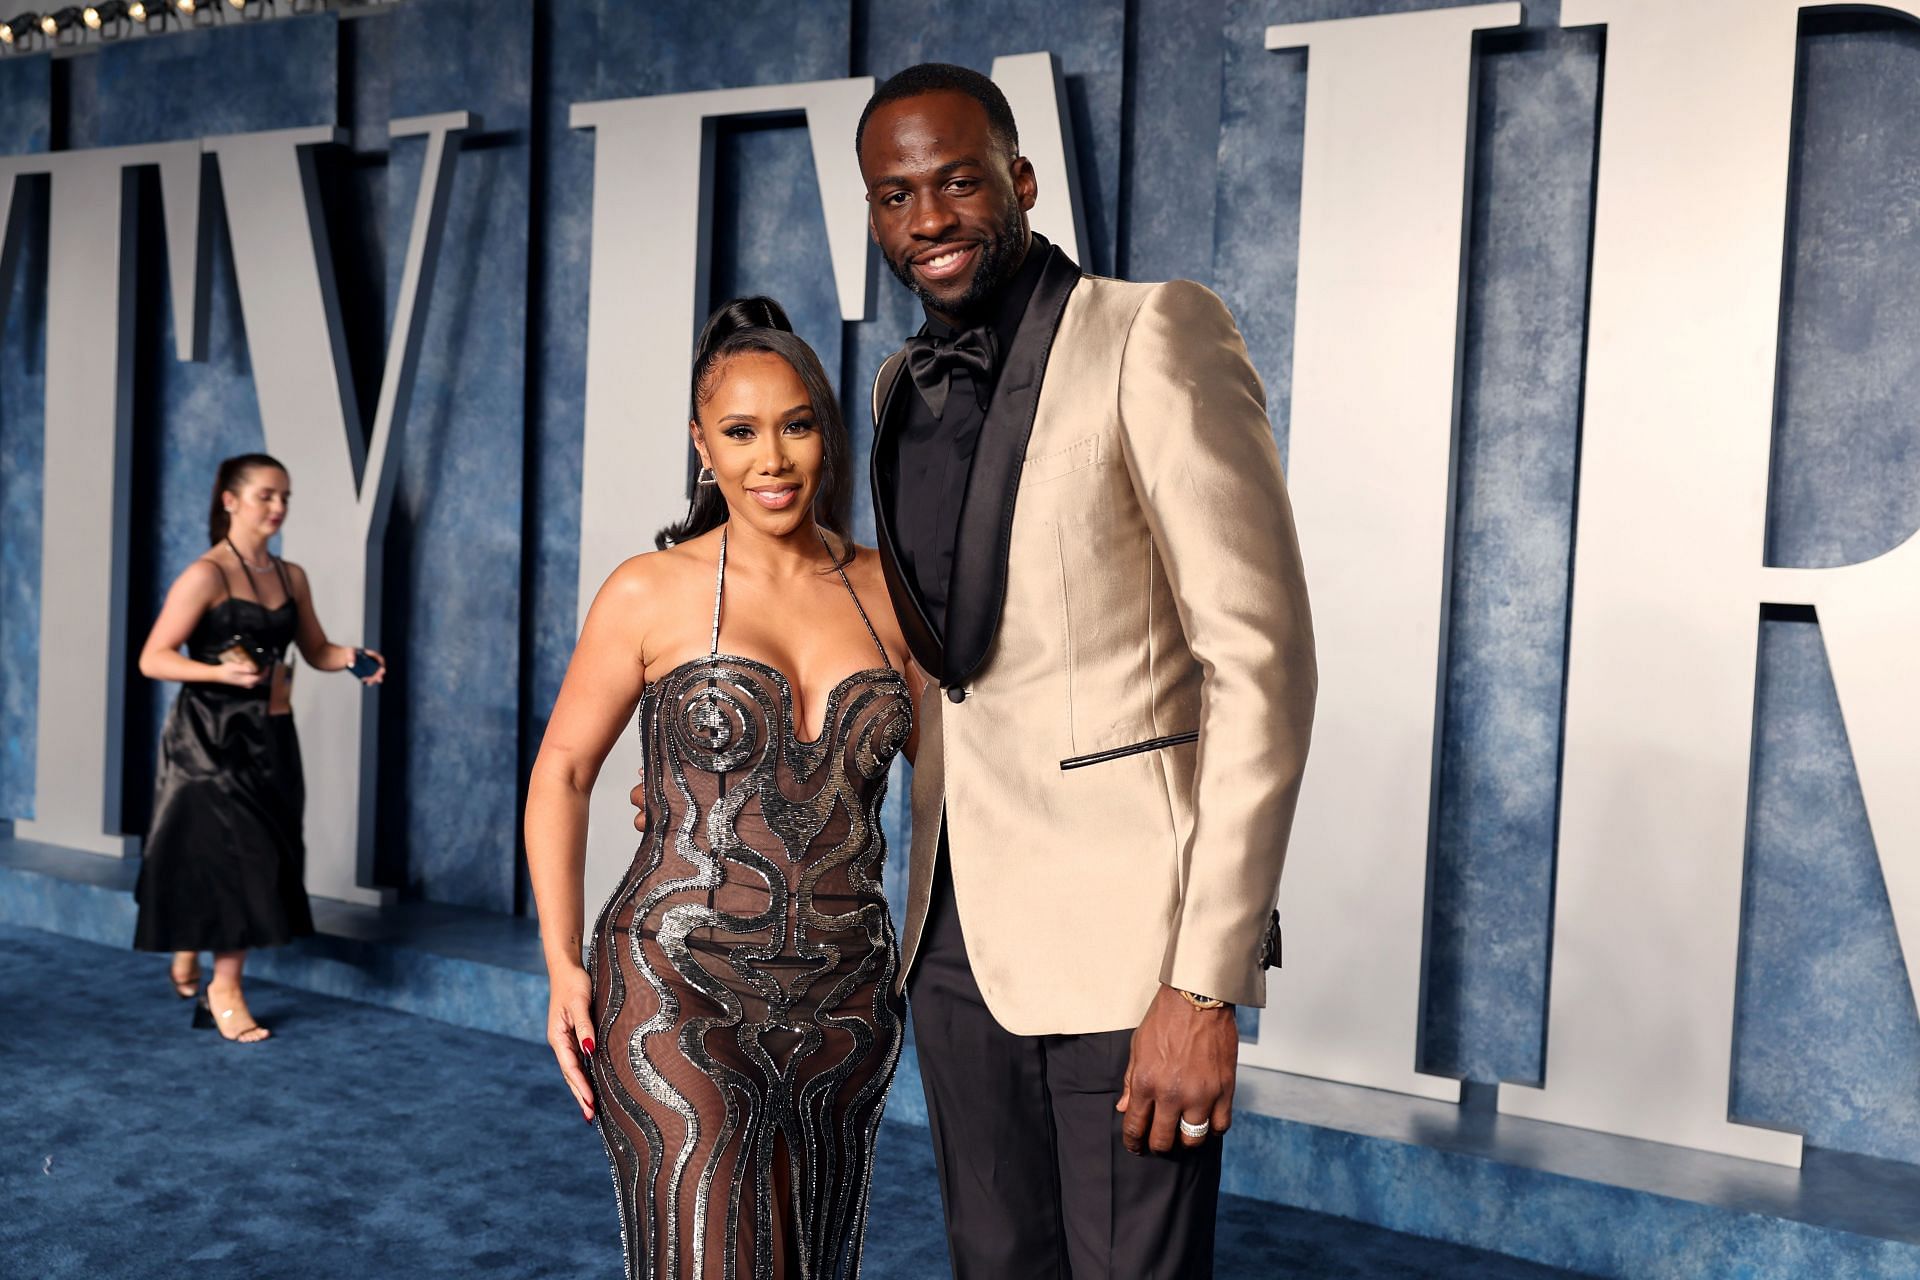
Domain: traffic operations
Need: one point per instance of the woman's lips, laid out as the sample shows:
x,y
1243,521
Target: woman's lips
x,y
775,499
947,263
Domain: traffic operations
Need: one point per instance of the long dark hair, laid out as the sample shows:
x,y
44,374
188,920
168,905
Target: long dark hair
x,y
228,479
760,324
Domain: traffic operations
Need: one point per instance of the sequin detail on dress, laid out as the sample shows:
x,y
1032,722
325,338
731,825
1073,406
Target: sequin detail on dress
x,y
743,975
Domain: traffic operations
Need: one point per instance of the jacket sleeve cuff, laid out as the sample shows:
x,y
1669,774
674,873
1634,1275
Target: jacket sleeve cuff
x,y
1240,984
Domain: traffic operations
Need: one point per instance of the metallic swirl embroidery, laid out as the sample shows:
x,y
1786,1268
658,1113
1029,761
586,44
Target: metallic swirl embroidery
x,y
743,975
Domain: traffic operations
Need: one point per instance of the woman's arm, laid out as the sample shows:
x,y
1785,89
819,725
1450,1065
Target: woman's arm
x,y
311,638
191,595
877,603
602,687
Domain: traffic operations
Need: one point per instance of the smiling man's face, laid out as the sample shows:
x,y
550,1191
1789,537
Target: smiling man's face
x,y
946,201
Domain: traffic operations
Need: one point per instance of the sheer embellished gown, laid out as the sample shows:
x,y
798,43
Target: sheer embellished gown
x,y
746,1026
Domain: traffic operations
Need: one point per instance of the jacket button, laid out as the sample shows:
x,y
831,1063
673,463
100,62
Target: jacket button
x,y
956,694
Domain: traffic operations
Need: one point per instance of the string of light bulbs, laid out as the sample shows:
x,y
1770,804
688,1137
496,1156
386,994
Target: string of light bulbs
x,y
72,28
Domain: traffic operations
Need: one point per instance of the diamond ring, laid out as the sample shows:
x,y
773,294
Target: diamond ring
x,y
1191,1130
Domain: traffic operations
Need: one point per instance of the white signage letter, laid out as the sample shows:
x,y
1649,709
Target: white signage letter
x,y
87,471
1689,231
292,313
1370,462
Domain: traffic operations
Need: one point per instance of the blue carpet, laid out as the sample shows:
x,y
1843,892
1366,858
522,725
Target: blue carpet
x,y
365,1143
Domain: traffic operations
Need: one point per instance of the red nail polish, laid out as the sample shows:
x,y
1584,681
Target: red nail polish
x,y
587,1044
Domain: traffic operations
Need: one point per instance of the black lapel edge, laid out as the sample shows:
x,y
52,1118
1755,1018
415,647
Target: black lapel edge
x,y
979,589
923,641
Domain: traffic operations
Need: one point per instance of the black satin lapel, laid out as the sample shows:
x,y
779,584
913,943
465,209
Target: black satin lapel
x,y
979,586
923,641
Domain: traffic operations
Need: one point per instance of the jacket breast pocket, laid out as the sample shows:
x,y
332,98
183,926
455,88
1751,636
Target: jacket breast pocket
x,y
1078,456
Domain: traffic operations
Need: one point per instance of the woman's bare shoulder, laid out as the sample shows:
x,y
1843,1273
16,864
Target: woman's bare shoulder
x,y
653,575
203,578
863,566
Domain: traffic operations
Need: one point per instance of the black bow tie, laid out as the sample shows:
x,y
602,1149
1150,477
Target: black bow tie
x,y
933,361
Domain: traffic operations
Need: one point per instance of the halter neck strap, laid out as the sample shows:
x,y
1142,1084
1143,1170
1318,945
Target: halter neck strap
x,y
719,592
273,561
719,587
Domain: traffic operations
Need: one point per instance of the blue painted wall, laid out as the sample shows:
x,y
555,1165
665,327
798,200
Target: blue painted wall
x,y
450,727
1190,150
24,130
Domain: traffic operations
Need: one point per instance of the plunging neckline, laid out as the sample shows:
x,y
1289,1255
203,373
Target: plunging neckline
x,y
786,684
834,694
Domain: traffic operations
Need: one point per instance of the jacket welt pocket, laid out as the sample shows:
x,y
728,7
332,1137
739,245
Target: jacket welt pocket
x,y
1138,748
1078,456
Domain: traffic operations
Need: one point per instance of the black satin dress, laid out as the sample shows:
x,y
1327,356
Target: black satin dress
x,y
743,970
224,862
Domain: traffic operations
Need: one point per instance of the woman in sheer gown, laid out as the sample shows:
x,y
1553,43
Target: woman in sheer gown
x,y
735,1027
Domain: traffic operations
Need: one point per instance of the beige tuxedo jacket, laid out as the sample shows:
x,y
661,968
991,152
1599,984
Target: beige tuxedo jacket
x,y
1126,686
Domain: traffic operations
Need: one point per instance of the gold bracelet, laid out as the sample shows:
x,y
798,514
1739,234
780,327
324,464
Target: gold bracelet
x,y
1200,1001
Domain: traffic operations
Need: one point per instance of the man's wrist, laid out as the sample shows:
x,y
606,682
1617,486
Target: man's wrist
x,y
1199,1001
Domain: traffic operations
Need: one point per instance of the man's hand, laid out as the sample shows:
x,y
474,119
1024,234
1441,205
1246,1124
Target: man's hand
x,y
1182,1068
639,797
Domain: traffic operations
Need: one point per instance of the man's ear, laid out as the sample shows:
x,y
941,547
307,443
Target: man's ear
x,y
1025,185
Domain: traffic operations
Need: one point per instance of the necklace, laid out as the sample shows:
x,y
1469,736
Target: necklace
x,y
250,563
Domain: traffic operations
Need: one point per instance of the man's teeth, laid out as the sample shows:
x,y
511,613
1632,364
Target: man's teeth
x,y
944,259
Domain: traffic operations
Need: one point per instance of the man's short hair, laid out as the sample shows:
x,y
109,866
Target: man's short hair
x,y
944,77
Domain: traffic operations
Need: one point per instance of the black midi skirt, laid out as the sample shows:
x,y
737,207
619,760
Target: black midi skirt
x,y
224,863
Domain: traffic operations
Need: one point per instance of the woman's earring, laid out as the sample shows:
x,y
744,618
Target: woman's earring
x,y
706,476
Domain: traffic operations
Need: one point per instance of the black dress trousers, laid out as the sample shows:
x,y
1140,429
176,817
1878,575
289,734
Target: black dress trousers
x,y
1034,1179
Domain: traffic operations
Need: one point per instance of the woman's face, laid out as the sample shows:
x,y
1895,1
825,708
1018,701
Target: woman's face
x,y
258,504
758,432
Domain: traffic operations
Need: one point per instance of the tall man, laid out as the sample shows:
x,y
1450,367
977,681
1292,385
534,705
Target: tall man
x,y
1087,538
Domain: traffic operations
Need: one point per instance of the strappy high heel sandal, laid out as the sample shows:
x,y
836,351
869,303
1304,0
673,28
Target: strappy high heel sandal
x,y
185,988
203,1017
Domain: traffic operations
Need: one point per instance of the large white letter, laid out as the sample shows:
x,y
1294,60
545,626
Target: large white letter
x,y
83,535
298,345
1689,233
1037,92
1370,463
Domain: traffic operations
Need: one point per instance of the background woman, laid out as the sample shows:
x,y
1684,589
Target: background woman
x,y
224,857
740,978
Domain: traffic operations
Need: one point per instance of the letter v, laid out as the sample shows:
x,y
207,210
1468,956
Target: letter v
x,y
297,342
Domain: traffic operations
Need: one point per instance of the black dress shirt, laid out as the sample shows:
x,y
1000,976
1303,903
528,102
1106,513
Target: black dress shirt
x,y
931,458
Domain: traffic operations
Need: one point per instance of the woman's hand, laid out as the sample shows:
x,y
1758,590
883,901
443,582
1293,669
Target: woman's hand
x,y
570,1031
380,672
237,675
604,681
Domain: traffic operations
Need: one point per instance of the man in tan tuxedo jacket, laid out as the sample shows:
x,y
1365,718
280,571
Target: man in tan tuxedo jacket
x,y
1087,538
